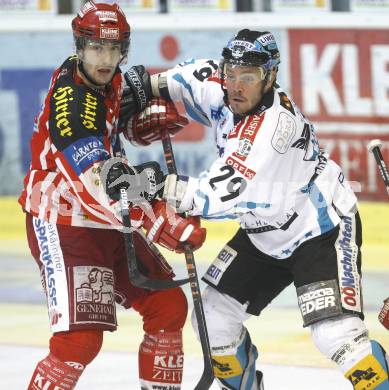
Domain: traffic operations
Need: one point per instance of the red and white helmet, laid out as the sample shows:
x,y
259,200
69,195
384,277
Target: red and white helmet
x,y
99,21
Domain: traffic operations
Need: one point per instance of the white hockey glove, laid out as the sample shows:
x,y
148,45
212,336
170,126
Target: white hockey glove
x,y
177,192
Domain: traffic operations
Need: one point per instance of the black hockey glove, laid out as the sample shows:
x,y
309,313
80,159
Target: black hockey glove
x,y
136,94
143,182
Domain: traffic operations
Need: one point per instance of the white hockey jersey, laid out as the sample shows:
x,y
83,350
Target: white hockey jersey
x,y
270,173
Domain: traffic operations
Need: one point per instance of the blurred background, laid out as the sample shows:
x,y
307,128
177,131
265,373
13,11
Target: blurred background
x,y
334,63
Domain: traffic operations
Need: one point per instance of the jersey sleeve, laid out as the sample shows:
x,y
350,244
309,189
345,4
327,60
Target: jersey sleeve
x,y
77,128
195,83
226,190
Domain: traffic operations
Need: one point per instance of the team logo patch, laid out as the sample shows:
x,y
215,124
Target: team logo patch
x,y
318,301
109,33
244,147
284,133
347,255
367,374
220,264
94,300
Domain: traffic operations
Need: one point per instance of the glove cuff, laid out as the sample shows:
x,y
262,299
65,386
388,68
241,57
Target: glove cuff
x,y
186,203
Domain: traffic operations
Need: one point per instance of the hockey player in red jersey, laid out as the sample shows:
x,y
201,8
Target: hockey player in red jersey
x,y
73,226
298,215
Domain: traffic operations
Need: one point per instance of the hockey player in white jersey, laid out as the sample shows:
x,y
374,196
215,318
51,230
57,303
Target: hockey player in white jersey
x,y
297,212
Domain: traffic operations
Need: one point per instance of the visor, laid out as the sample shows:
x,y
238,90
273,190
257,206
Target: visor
x,y
102,53
250,77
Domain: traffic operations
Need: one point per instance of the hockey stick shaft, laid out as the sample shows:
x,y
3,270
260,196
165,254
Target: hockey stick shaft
x,y
374,147
207,376
135,276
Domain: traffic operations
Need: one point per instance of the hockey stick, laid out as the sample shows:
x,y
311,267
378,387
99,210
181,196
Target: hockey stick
x,y
136,277
207,376
374,147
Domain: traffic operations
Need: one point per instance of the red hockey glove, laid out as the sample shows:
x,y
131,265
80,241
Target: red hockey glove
x,y
171,230
147,126
384,314
137,216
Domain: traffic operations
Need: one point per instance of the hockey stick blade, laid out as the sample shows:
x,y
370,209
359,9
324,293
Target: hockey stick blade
x,y
374,147
207,376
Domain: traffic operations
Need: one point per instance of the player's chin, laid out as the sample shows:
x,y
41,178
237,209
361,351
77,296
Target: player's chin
x,y
104,77
238,107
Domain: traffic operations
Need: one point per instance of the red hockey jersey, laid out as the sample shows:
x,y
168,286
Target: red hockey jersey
x,y
74,133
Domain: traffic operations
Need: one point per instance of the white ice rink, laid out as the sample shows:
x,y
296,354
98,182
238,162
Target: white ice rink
x,y
288,358
118,371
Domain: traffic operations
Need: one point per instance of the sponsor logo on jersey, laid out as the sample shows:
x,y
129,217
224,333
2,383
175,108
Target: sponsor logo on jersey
x,y
248,132
109,33
319,300
84,152
51,258
316,300
168,368
252,126
349,278
238,166
220,264
62,96
284,133
169,361
88,117
94,295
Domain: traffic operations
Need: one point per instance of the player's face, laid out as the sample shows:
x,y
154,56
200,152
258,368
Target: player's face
x,y
245,87
100,59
